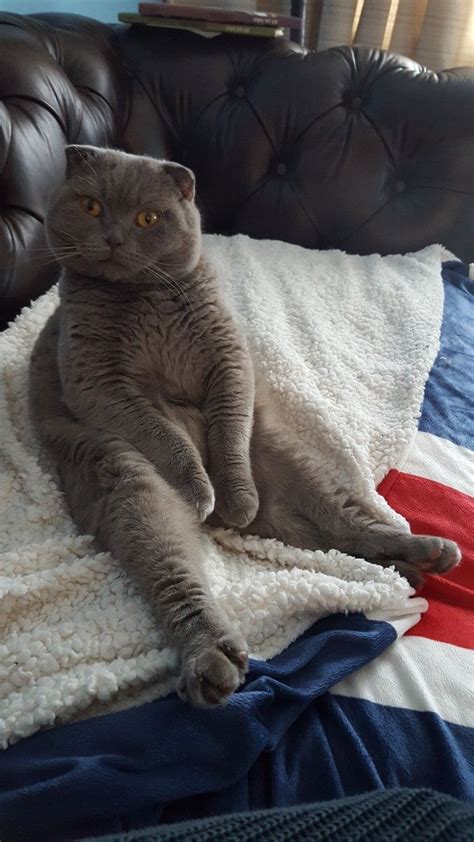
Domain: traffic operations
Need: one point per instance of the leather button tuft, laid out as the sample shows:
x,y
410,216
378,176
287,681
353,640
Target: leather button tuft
x,y
240,91
356,103
282,169
399,186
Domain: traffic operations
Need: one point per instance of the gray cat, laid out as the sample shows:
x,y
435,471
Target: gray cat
x,y
143,390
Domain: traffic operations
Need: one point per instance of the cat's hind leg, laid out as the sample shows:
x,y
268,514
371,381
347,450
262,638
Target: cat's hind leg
x,y
347,527
295,509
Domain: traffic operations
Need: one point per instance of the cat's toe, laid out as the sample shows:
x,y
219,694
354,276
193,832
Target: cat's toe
x,y
200,494
428,555
205,508
210,676
238,508
448,557
432,554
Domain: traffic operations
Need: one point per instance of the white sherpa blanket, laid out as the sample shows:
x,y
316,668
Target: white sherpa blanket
x,y
346,343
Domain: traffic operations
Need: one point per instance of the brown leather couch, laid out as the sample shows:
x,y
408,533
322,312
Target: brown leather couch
x,y
351,148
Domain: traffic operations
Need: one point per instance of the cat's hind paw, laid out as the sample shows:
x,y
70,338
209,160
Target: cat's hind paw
x,y
432,554
428,554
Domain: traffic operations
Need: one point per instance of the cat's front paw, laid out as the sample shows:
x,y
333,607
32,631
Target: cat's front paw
x,y
213,671
237,505
200,493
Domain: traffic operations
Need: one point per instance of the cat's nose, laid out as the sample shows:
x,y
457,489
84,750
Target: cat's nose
x,y
114,239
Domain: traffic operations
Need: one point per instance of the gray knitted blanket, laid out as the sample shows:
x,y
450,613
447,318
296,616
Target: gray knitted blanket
x,y
393,815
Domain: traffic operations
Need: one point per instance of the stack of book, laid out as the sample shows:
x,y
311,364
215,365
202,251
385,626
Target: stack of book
x,y
210,20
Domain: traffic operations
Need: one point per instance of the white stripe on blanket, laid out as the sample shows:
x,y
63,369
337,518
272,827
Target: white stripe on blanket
x,y
417,674
346,344
440,460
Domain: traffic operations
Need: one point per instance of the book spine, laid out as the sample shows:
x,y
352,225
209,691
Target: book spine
x,y
224,16
205,26
239,29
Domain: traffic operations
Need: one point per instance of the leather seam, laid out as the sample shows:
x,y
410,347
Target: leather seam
x,y
305,209
382,139
364,223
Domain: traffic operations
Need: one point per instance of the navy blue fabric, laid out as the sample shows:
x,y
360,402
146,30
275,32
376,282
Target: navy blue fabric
x,y
447,409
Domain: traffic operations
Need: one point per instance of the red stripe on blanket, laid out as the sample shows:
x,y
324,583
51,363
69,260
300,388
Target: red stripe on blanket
x,y
434,509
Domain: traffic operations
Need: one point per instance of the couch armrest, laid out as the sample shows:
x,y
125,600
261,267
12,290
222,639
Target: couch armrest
x,y
56,87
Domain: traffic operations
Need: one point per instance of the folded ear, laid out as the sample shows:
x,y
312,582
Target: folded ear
x,y
184,180
80,157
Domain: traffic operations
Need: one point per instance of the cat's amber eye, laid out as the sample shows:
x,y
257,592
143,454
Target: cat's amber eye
x,y
91,206
147,218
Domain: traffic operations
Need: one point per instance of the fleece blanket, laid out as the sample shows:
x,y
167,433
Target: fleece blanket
x,y
345,343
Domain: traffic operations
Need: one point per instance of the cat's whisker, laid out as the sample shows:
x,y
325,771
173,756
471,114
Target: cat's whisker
x,y
66,234
47,248
52,251
45,263
155,273
48,256
171,264
173,284
51,256
57,254
161,269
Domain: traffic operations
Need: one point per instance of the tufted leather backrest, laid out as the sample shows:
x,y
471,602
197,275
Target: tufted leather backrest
x,y
350,148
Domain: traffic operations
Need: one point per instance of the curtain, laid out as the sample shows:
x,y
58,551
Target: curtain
x,y
437,33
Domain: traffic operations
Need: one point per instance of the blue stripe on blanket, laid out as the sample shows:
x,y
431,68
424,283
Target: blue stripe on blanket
x,y
449,395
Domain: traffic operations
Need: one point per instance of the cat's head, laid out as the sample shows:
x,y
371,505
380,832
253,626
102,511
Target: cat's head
x,y
124,217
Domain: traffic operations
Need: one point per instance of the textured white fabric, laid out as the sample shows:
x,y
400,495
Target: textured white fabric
x,y
346,344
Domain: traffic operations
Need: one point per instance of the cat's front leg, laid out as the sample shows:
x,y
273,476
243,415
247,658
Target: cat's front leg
x,y
237,499
176,458
187,474
128,413
230,407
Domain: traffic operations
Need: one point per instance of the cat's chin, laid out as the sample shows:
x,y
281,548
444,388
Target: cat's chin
x,y
115,272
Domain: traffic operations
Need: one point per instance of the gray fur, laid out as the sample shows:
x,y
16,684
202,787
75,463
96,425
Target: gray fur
x,y
143,390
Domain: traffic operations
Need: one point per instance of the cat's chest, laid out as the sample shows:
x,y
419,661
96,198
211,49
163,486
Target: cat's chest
x,y
170,361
